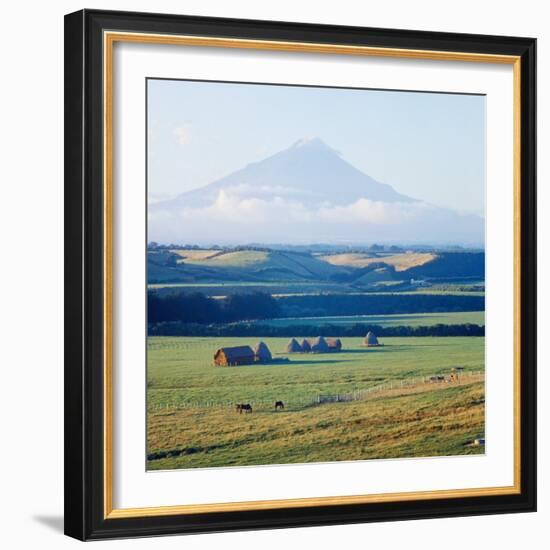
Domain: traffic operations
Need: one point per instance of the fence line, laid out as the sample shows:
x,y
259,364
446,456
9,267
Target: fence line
x,y
357,395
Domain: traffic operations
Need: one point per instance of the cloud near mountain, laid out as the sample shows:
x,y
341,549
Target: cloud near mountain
x,y
304,194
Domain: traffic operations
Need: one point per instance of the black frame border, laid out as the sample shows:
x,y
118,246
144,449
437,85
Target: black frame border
x,y
84,407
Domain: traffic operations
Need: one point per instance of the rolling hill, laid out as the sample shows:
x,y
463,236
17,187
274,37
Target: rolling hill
x,y
239,265
252,265
401,262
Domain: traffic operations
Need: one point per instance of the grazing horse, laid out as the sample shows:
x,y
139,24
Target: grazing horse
x,y
279,405
243,407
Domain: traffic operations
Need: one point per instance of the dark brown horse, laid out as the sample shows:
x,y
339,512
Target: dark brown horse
x,y
279,405
243,407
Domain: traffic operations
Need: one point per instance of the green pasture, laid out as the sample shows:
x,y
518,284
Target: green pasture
x,y
302,288
394,320
240,287
192,422
181,369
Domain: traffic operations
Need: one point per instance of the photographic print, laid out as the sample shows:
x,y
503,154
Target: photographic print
x,y
315,274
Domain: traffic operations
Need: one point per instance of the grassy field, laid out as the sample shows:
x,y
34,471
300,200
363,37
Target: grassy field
x,y
401,262
283,288
260,262
192,422
244,258
408,319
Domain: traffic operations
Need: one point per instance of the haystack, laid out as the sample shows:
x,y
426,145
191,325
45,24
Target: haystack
x,y
306,348
293,346
262,353
371,340
318,345
334,344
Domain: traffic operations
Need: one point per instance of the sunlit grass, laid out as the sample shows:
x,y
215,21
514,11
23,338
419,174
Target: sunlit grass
x,y
432,421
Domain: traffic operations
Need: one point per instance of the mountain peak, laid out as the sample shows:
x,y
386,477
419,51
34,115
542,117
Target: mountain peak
x,y
313,143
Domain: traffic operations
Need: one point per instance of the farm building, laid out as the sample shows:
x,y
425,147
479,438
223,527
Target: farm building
x,y
370,340
293,346
319,345
262,353
238,355
334,344
306,348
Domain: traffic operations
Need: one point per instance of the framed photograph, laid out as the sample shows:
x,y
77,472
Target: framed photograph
x,y
300,274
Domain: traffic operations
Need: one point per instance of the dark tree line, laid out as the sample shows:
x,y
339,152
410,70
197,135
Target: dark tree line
x,y
377,304
198,308
178,328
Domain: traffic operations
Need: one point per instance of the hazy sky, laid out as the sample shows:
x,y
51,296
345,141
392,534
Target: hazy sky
x,y
428,146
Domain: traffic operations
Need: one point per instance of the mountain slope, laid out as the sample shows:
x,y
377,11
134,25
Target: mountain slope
x,y
306,194
309,170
